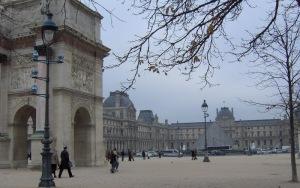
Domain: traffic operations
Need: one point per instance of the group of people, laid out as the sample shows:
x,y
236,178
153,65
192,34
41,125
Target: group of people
x,y
113,157
65,163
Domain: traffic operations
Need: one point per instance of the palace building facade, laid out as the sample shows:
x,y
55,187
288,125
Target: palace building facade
x,y
123,130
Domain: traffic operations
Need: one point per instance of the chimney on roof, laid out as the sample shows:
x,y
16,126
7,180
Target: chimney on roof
x,y
166,122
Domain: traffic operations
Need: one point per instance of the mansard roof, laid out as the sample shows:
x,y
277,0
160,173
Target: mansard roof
x,y
224,114
146,116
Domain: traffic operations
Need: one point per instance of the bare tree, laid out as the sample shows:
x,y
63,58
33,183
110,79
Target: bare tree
x,y
183,34
277,66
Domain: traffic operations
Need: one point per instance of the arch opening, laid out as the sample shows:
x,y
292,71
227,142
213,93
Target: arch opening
x,y
82,138
23,127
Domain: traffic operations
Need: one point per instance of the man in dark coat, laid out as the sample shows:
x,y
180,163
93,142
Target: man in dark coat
x,y
130,155
122,154
65,163
144,154
193,155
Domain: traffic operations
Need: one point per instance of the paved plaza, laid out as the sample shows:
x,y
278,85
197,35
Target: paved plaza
x,y
225,171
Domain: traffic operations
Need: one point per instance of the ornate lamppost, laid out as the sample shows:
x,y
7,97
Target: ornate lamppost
x,y
48,30
204,109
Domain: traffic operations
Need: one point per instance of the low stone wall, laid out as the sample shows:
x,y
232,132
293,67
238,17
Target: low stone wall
x,y
4,151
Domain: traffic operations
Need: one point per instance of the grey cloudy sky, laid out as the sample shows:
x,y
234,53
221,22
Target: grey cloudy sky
x,y
172,97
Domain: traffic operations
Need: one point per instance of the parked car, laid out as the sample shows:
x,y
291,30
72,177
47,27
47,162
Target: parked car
x,y
172,153
138,154
217,152
151,153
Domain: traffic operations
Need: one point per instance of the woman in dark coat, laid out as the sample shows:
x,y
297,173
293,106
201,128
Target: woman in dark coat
x,y
65,163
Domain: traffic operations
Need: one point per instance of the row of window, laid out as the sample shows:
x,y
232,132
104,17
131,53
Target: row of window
x,y
262,142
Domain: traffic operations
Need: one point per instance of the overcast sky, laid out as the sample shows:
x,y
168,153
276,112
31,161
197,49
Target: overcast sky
x,y
172,97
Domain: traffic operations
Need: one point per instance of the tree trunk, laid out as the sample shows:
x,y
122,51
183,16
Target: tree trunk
x,y
292,129
293,158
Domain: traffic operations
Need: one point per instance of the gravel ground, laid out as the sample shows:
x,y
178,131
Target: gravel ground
x,y
257,171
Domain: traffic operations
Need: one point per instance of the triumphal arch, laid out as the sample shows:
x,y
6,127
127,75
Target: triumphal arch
x,y
75,85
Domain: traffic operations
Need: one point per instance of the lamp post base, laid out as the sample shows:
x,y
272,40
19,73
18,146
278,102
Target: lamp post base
x,y
206,159
47,183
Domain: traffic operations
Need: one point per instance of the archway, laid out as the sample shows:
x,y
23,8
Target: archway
x,y
23,127
82,138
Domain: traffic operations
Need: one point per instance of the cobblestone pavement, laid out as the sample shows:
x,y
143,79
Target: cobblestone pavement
x,y
268,171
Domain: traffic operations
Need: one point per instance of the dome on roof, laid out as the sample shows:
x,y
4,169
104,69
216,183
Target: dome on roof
x,y
224,114
118,99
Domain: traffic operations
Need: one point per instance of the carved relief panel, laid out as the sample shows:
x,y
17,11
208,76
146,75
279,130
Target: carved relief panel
x,y
20,76
83,73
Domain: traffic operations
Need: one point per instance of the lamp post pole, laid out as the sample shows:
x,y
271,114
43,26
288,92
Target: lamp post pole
x,y
46,179
204,109
48,30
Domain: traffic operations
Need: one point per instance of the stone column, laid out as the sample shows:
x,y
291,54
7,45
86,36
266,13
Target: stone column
x,y
4,78
62,126
36,149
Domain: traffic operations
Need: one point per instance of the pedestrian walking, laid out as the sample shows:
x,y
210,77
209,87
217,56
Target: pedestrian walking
x,y
65,163
114,161
144,154
122,155
54,162
130,155
29,156
193,155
